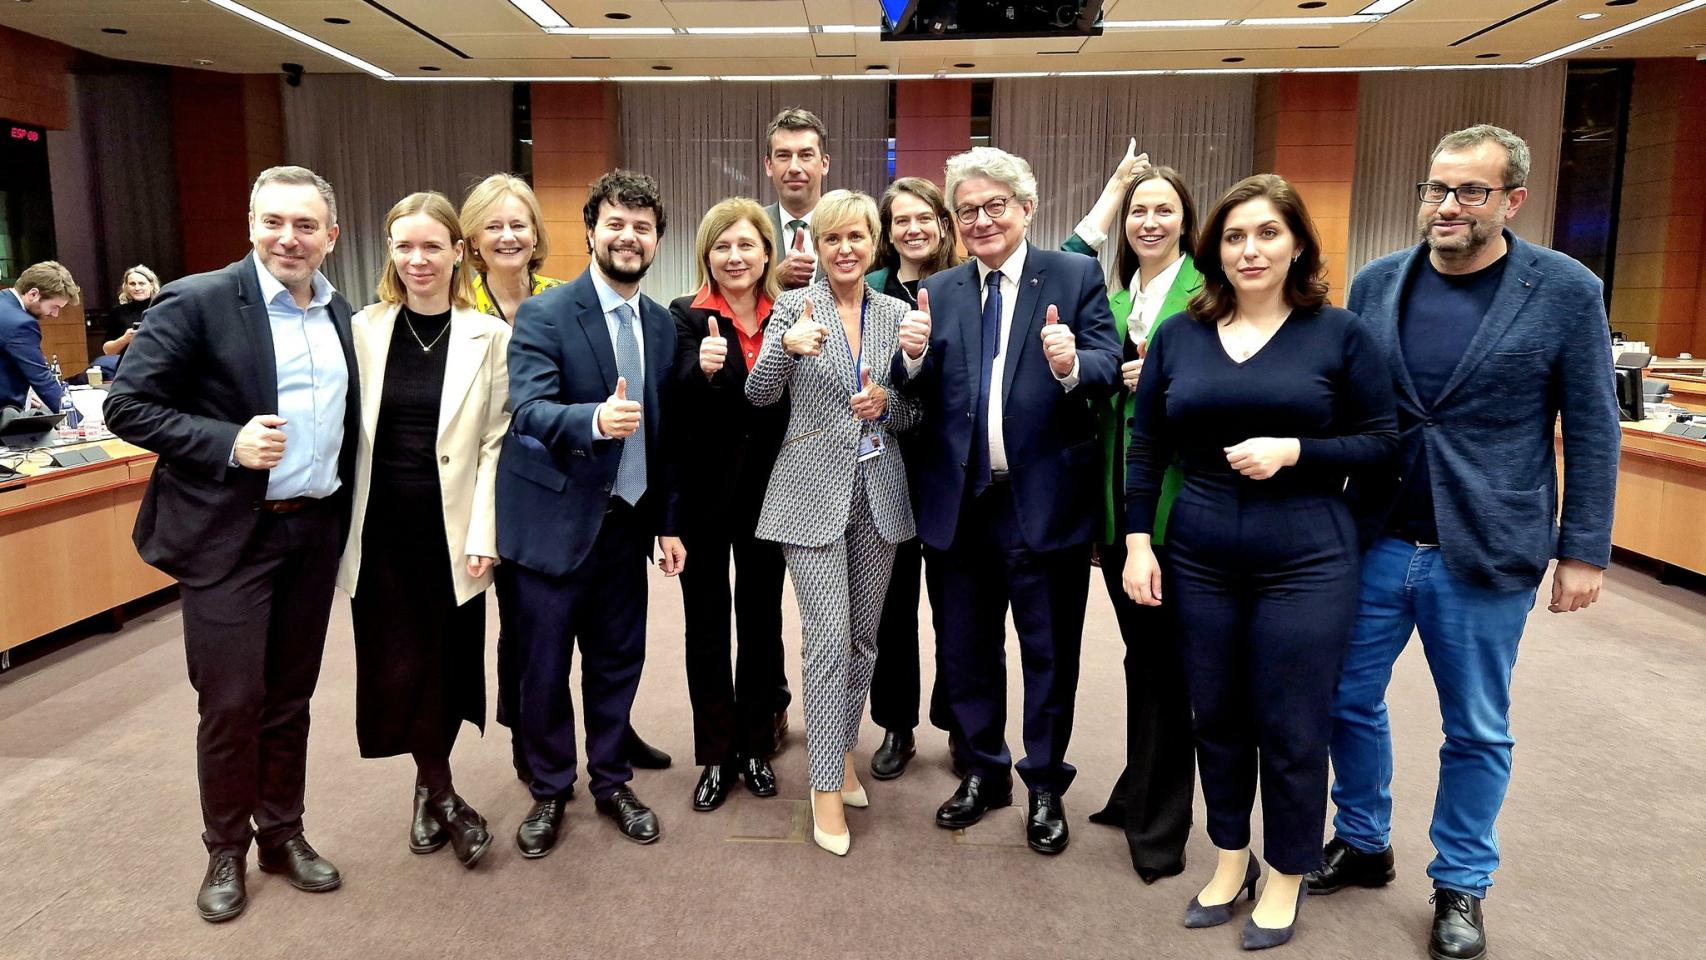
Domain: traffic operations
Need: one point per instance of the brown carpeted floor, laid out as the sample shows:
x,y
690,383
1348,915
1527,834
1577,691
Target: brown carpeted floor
x,y
1604,832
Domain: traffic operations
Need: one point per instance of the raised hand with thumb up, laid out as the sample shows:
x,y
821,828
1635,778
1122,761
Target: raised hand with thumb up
x,y
805,337
871,400
619,417
713,350
1059,343
914,333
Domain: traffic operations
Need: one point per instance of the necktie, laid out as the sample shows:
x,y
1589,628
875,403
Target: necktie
x,y
631,469
799,228
991,346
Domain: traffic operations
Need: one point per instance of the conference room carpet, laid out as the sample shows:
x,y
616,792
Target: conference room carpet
x,y
100,853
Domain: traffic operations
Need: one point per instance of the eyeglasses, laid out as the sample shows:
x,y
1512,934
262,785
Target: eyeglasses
x,y
994,207
1468,195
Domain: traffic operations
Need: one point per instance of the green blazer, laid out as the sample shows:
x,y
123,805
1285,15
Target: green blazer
x,y
1114,414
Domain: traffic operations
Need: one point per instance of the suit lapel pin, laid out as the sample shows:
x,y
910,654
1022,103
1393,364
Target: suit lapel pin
x,y
1035,281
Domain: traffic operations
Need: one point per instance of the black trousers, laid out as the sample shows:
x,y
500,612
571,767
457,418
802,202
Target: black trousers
x,y
253,642
733,710
895,685
1151,801
1264,586
602,606
987,570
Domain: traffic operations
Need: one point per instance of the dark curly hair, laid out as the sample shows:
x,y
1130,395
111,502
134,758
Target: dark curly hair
x,y
625,188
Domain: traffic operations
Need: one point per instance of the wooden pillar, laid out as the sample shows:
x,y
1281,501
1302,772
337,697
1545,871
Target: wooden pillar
x,y
226,129
1306,127
932,122
575,141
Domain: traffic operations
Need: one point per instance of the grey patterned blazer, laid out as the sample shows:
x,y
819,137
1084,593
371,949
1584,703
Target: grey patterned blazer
x,y
811,486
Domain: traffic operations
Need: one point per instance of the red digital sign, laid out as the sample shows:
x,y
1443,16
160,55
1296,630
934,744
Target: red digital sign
x,y
25,133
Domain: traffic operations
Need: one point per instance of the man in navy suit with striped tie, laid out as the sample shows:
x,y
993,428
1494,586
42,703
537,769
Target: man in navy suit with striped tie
x,y
581,491
1007,352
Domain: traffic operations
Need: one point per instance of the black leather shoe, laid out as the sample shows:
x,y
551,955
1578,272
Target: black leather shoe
x,y
760,779
643,755
975,797
223,893
1045,829
714,785
467,830
1150,875
425,835
1343,865
636,820
897,749
778,733
1458,933
305,869
537,835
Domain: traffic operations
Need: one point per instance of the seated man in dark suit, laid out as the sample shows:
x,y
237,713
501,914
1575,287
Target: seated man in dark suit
x,y
42,290
581,491
1021,342
1490,339
243,380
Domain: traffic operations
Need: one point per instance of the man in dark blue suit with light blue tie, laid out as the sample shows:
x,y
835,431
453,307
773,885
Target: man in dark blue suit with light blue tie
x,y
1021,343
581,491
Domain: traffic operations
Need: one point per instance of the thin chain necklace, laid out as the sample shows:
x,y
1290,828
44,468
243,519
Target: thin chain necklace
x,y
425,347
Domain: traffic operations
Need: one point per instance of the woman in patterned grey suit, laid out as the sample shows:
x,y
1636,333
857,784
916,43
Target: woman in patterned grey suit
x,y
837,500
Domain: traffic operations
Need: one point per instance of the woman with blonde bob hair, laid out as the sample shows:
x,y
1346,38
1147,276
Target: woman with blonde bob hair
x,y
507,244
837,498
726,444
423,533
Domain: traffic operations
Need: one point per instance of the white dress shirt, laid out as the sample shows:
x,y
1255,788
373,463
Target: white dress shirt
x,y
608,301
809,247
313,384
1146,300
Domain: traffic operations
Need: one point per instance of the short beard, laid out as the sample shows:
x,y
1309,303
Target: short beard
x,y
607,266
1481,233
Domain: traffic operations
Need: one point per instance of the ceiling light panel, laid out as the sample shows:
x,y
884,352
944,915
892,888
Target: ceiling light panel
x,y
1605,36
262,20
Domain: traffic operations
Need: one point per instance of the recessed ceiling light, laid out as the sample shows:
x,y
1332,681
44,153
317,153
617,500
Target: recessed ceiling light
x,y
337,21
1487,56
1589,16
1231,59
1619,3
662,66
202,63
1603,46
1312,5
1694,46
964,66
261,19
876,66
115,31
431,69
1319,46
617,15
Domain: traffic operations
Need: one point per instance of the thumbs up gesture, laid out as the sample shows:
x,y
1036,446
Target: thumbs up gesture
x,y
619,417
871,400
713,350
805,337
1059,344
914,334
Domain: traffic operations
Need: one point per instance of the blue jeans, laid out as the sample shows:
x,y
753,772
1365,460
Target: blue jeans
x,y
1469,634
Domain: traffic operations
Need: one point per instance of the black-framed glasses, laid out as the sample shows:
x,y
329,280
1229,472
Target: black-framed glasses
x,y
994,207
1468,195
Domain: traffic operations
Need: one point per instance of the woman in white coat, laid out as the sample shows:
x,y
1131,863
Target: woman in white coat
x,y
423,538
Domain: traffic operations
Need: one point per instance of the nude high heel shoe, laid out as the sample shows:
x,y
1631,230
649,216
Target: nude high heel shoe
x,y
837,844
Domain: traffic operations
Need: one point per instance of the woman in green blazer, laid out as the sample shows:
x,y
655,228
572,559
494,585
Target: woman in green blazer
x,y
1151,211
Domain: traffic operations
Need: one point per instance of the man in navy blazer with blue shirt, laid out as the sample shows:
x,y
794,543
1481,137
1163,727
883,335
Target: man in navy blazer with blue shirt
x,y
1491,341
1007,352
581,491
41,290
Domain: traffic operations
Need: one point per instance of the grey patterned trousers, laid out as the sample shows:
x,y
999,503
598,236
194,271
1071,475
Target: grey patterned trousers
x,y
840,589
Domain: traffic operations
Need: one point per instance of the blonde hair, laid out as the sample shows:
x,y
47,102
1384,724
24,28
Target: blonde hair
x,y
840,207
436,206
124,282
725,215
485,197
51,278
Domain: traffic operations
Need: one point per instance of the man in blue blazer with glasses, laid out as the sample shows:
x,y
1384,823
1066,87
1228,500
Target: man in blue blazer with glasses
x,y
1492,341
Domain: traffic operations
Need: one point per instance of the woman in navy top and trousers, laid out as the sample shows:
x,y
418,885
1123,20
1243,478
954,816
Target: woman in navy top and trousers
x,y
1270,398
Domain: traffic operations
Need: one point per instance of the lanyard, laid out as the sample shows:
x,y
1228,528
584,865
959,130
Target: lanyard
x,y
859,358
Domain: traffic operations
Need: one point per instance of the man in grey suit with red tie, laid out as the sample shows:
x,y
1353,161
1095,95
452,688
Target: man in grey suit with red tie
x,y
581,492
1007,353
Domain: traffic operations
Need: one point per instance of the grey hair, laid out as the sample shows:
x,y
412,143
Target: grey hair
x,y
298,177
1517,157
124,281
990,163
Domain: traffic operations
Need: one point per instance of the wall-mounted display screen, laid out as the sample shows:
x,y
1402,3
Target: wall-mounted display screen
x,y
26,199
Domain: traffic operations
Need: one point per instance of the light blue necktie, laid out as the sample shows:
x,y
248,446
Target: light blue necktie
x,y
631,470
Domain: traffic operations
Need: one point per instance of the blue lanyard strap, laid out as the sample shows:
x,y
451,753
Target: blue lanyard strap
x,y
859,358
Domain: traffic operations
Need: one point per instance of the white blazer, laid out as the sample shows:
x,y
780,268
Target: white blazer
x,y
473,416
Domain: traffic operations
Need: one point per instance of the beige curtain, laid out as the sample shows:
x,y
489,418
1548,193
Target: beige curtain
x,y
378,142
1074,130
704,142
1401,116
